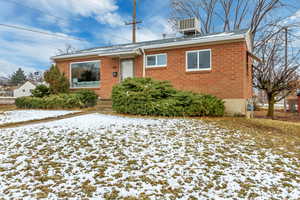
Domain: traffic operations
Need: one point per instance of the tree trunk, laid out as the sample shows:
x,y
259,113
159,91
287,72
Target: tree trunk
x,y
271,102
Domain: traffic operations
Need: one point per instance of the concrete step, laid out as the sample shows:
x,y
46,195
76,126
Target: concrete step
x,y
105,102
104,106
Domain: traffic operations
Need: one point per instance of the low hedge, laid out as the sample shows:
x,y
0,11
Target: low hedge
x,y
145,96
80,99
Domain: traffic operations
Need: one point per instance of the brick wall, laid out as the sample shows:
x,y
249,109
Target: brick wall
x,y
230,78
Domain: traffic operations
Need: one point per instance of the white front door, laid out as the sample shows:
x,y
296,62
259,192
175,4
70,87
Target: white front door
x,y
126,69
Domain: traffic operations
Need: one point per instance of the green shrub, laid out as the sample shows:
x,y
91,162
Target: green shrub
x,y
41,91
89,98
80,99
145,96
57,80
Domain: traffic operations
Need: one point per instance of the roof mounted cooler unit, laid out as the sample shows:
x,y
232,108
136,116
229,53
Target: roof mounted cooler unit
x,y
189,26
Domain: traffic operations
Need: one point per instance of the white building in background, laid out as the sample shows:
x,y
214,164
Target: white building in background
x,y
24,90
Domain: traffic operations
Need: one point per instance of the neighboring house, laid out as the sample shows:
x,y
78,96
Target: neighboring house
x,y
24,90
293,101
219,64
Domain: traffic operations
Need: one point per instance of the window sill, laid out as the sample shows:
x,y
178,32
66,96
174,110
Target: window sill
x,y
75,88
156,67
204,71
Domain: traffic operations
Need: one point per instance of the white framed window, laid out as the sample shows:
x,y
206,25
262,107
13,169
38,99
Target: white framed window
x,y
156,60
85,74
198,60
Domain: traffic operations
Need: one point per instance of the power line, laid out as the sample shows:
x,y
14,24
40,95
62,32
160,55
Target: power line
x,y
49,14
40,32
37,9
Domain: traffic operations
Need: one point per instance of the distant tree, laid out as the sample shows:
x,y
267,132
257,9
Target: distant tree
x,y
58,83
18,77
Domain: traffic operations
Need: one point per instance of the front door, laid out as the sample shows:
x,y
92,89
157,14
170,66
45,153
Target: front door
x,y
127,70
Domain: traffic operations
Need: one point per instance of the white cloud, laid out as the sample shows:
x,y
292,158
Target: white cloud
x,y
8,68
27,49
152,29
112,19
105,11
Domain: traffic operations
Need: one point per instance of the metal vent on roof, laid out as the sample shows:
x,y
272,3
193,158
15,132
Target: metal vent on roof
x,y
189,26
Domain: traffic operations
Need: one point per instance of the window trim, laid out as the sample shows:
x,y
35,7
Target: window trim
x,y
70,74
198,69
156,55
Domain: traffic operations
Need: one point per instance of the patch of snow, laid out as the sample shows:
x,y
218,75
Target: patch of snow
x,y
27,115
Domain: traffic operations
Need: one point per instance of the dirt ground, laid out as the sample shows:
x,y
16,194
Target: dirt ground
x,y
279,115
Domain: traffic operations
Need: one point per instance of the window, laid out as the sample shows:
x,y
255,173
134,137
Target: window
x,y
157,60
85,74
198,60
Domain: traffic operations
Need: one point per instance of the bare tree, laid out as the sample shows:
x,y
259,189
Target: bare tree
x,y
68,49
227,14
276,76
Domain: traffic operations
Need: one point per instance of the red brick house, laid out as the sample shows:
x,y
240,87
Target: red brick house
x,y
217,64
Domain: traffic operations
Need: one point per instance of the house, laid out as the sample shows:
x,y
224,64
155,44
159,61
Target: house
x,y
219,64
293,101
24,90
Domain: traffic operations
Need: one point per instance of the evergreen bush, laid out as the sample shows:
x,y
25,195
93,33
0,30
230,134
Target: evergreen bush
x,y
80,99
41,91
145,96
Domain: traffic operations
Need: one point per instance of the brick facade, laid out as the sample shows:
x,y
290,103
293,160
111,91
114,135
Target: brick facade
x,y
229,78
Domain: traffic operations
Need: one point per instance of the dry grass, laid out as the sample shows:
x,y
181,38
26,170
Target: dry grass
x,y
279,115
7,107
280,136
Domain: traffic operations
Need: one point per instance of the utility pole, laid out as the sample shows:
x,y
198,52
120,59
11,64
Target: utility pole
x,y
285,59
134,22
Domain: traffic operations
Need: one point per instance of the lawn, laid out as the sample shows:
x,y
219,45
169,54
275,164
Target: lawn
x,y
109,157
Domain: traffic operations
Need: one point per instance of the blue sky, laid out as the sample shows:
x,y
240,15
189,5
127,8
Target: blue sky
x,y
98,22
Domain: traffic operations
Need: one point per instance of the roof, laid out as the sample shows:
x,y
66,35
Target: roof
x,y
154,44
21,85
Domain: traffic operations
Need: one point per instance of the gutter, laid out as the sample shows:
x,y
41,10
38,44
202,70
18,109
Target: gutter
x,y
121,53
144,62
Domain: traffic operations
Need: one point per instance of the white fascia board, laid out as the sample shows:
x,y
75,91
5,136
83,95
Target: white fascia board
x,y
119,53
74,55
94,54
197,41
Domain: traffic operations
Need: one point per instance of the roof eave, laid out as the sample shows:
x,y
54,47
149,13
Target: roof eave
x,y
156,46
198,41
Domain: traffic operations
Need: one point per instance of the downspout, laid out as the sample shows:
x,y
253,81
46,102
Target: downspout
x,y
144,60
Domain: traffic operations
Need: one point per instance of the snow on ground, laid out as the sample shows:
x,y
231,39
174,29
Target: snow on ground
x,y
108,157
27,115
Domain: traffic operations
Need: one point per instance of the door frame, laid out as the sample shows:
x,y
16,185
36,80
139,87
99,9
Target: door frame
x,y
120,68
